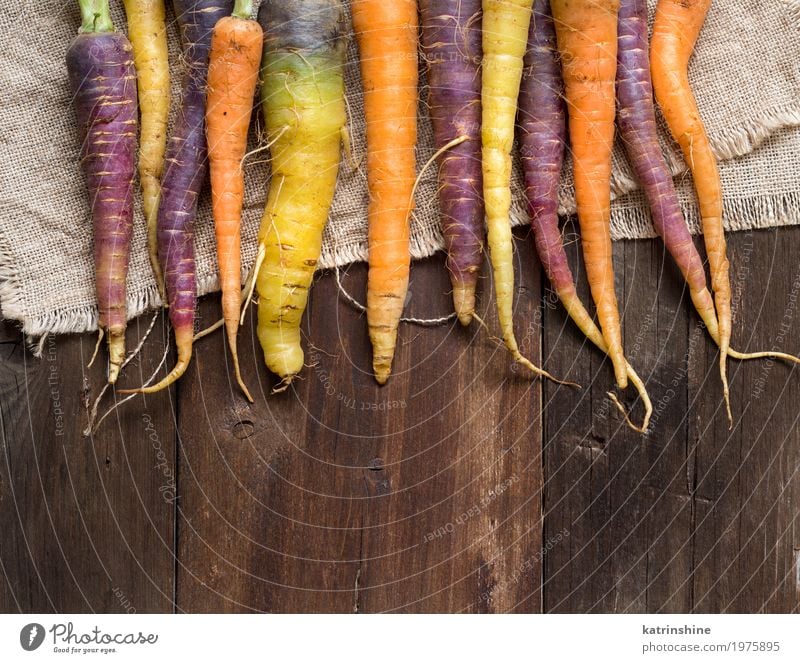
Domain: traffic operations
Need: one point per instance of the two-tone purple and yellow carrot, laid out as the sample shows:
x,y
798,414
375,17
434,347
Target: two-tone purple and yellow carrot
x,y
542,133
451,40
103,81
184,172
303,105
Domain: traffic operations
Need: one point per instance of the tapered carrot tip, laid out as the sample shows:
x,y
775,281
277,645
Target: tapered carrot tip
x,y
183,341
381,371
231,329
622,379
285,359
725,390
464,302
116,354
242,385
383,346
646,402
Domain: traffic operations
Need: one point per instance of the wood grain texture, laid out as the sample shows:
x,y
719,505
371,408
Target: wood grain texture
x,y
461,486
88,523
344,496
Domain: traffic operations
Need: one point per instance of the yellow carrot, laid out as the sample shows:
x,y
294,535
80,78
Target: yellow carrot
x,y
304,111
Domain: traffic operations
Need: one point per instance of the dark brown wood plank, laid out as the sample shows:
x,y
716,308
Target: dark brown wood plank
x,y
425,495
266,522
87,523
745,508
622,498
343,496
461,530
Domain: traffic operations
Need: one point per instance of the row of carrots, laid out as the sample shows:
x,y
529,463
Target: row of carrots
x,y
537,68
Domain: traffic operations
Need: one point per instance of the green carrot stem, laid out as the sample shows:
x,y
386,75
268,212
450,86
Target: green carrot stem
x,y
243,9
95,16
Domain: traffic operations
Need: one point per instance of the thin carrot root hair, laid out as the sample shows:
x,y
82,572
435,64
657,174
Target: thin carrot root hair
x,y
183,342
100,335
540,371
91,425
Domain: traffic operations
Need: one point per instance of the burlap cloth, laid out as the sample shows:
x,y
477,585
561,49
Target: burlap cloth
x,y
746,72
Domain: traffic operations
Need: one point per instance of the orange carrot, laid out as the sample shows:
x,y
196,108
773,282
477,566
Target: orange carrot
x,y
232,76
675,31
387,41
587,40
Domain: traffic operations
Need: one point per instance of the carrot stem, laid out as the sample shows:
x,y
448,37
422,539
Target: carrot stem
x,y
95,16
243,9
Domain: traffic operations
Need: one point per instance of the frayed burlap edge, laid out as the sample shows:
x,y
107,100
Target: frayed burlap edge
x,y
793,7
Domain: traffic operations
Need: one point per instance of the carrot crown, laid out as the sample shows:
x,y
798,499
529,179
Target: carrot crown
x,y
95,16
243,9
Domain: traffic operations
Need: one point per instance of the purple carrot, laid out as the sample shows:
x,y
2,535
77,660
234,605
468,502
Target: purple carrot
x,y
542,132
184,173
636,118
103,81
451,39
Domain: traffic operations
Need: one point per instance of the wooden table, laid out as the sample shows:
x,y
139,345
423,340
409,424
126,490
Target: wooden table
x,y
462,486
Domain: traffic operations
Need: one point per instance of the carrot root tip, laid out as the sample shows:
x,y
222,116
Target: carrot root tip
x,y
381,375
464,303
541,372
723,372
232,327
240,380
639,429
284,384
174,375
116,355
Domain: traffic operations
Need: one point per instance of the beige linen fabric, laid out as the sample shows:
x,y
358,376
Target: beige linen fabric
x,y
746,73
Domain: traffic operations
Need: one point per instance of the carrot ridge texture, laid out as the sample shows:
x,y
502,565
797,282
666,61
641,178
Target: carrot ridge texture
x,y
542,131
386,33
103,82
148,34
451,39
184,172
587,40
233,71
302,99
